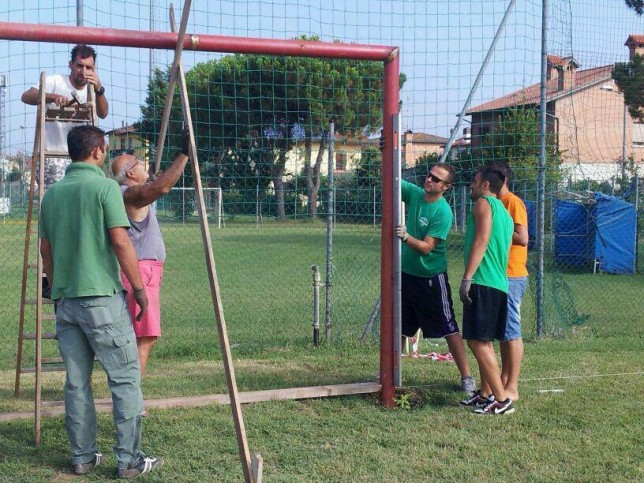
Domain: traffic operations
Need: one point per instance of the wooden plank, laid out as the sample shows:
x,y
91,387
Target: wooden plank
x,y
57,408
36,301
257,467
240,430
174,73
68,114
45,335
46,368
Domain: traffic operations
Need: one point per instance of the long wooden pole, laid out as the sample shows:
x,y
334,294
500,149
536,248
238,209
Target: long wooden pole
x,y
171,83
235,405
42,107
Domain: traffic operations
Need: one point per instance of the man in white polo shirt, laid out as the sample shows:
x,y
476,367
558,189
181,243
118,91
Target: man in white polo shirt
x,y
61,90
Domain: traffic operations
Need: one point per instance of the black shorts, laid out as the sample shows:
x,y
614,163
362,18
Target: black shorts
x,y
427,305
486,316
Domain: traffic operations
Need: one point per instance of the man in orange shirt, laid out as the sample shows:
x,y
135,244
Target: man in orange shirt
x,y
512,344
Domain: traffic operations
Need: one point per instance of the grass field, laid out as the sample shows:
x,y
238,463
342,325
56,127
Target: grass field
x,y
590,429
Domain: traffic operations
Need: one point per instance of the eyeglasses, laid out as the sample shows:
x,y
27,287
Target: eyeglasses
x,y
435,179
136,161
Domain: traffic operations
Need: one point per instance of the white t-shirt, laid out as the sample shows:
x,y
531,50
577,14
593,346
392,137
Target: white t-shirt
x,y
56,132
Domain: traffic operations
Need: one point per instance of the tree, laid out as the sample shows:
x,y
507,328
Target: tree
x,y
248,111
515,140
637,5
14,175
629,77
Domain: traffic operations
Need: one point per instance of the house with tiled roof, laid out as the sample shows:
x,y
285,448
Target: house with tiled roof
x,y
127,140
348,151
418,144
585,113
414,145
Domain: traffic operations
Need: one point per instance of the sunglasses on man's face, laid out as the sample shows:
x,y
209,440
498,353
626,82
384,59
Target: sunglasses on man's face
x,y
435,179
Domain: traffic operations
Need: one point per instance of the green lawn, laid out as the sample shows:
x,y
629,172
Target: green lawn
x,y
589,430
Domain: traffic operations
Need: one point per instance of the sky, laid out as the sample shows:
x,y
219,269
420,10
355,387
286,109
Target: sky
x,y
442,45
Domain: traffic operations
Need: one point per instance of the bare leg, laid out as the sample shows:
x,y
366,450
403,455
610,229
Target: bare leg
x,y
485,387
489,367
457,348
511,358
144,347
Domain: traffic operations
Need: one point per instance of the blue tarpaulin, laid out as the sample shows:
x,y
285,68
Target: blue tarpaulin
x,y
602,230
531,208
615,235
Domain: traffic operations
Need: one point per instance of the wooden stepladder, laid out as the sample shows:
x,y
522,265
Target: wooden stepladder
x,y
32,269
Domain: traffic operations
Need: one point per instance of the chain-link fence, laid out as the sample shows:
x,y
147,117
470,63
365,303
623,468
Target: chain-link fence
x,y
262,134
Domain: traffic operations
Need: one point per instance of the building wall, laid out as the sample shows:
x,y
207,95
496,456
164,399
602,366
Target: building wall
x,y
591,126
349,153
593,171
413,151
125,143
345,153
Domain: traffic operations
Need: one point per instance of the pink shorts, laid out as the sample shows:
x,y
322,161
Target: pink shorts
x,y
152,274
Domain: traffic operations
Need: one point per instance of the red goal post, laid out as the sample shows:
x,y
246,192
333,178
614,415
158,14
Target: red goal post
x,y
298,48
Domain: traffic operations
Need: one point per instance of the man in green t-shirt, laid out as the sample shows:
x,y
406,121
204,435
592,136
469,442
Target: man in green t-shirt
x,y
83,240
426,295
484,287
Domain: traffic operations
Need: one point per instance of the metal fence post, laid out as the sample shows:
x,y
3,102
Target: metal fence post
x,y
541,170
316,305
329,236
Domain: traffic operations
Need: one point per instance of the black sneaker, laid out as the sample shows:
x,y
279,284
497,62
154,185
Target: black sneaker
x,y
145,466
84,468
476,400
496,407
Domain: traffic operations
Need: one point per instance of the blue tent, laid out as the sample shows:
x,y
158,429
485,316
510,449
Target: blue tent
x,y
602,230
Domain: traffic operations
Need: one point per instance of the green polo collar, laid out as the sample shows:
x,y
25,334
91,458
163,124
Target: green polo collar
x,y
84,169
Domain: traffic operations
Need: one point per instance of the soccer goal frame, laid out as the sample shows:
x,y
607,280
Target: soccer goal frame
x,y
298,48
214,202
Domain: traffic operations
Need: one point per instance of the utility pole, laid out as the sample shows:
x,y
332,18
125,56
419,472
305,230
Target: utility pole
x,y
3,130
23,163
79,13
153,10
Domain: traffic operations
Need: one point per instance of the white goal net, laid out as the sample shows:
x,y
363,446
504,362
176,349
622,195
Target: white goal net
x,y
180,204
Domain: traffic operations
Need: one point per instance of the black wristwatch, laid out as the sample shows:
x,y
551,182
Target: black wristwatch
x,y
101,91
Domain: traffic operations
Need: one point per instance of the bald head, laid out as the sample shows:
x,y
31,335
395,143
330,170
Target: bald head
x,y
120,166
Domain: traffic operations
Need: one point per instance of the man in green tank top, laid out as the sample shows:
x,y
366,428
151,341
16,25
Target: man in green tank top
x,y
484,287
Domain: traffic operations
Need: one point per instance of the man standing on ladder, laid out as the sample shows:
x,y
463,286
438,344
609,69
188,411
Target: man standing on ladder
x,y
139,197
426,297
64,91
83,240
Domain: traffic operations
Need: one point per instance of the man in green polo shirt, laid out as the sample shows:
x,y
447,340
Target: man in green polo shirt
x,y
426,297
83,239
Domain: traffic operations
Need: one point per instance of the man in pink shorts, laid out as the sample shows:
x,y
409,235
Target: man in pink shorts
x,y
144,231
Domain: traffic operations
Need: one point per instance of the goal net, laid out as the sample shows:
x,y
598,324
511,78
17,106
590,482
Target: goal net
x,y
180,205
